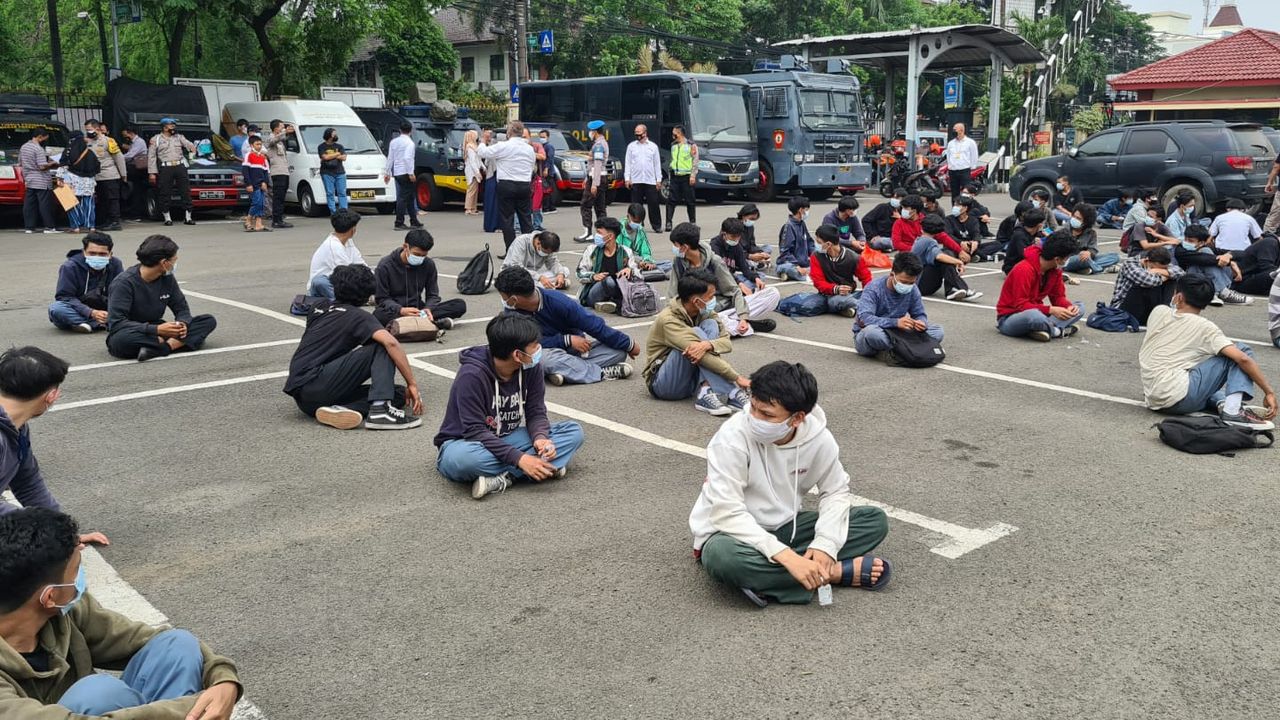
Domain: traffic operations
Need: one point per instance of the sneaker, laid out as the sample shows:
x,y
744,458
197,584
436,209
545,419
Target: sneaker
x,y
486,484
188,221
147,353
667,228
999,257
552,211
754,598
560,473
82,328
555,379
711,404
1068,331
168,222
957,294
51,231
1085,270
739,400
1249,419
1216,301
282,225
29,232
1232,297
399,226
415,225
1113,269
1040,336
971,295
764,325
849,312
337,416
606,307
385,416
444,323
1070,280
621,371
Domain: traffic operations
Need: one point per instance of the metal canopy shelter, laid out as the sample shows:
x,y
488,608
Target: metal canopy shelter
x,y
919,49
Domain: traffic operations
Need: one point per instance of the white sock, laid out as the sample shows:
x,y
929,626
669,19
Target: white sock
x,y
703,390
1233,403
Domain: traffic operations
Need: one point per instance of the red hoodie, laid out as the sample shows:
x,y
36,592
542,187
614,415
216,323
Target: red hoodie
x,y
906,232
1026,287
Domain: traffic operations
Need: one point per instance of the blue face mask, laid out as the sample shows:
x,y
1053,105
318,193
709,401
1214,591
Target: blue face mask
x,y
97,262
172,267
676,251
710,306
634,225
902,288
1076,223
956,210
1036,204
79,585
749,223
1190,211
506,305
598,239
1188,245
534,359
416,260
895,203
1058,185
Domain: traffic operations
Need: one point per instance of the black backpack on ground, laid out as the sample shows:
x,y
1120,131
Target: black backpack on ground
x,y
1206,435
477,276
913,349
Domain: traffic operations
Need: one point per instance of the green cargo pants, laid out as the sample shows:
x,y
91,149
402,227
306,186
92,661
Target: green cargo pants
x,y
742,566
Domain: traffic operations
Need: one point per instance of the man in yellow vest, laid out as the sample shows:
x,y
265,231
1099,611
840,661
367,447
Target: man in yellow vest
x,y
684,173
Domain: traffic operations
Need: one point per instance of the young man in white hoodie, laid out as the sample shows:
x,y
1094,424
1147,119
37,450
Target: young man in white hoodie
x,y
748,528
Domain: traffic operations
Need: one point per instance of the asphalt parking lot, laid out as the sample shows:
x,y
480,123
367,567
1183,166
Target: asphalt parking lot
x,y
1052,558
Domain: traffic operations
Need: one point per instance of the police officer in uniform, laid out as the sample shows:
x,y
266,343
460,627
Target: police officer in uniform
x,y
684,173
111,172
595,191
166,163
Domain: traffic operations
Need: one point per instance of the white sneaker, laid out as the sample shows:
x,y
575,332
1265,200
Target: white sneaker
x,y
486,484
606,307
957,294
82,328
971,295
337,416
1216,301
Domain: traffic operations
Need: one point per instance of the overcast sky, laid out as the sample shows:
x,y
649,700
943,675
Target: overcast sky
x,y
1255,13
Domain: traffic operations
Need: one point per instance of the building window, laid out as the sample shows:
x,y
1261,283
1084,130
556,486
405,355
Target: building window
x,y
498,67
468,69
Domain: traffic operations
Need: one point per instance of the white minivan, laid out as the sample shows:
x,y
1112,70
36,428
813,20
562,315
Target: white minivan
x,y
364,164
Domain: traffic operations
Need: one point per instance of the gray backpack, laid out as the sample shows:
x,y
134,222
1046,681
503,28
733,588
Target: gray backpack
x,y
638,299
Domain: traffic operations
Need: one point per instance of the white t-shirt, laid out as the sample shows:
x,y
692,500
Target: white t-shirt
x,y
1175,343
333,253
1234,231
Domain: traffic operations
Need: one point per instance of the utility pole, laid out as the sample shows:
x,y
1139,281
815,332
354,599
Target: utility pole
x,y
102,41
55,49
522,44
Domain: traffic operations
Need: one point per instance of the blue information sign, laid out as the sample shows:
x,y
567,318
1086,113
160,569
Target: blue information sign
x,y
547,42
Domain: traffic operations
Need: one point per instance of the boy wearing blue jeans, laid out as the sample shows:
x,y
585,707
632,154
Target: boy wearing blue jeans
x,y
495,430
686,349
1188,365
795,244
56,633
1033,300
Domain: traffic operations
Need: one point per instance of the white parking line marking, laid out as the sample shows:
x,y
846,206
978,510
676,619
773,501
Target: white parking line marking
x,y
198,353
283,317
961,540
167,391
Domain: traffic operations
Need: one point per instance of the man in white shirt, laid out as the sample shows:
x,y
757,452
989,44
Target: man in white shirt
x,y
1188,365
1234,230
339,248
642,170
401,156
514,162
962,158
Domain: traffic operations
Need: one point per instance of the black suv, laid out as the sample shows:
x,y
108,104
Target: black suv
x,y
1214,160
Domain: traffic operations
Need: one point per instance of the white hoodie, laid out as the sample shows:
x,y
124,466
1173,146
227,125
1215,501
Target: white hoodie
x,y
753,488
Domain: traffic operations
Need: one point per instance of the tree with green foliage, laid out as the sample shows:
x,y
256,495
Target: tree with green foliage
x,y
413,50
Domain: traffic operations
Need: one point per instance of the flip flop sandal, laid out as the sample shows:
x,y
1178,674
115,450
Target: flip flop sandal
x,y
754,598
864,579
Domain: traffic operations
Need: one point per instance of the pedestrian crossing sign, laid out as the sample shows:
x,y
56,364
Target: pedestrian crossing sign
x,y
547,42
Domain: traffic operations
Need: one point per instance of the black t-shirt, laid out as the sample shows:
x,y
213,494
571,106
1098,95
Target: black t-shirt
x,y
333,330
38,659
331,167
610,264
1067,200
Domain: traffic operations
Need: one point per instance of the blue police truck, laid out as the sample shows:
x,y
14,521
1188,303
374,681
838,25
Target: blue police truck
x,y
811,130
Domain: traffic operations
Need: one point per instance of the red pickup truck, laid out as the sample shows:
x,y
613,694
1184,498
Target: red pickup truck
x,y
15,130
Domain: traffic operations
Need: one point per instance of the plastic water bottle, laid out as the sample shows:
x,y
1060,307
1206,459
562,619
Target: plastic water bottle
x,y
824,595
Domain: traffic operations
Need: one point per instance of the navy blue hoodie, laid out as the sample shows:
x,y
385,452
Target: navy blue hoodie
x,y
19,470
483,408
82,287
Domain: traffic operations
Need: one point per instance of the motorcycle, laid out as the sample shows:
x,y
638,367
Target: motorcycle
x,y
944,178
917,182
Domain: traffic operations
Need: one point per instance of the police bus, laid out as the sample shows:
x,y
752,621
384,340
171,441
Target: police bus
x,y
811,130
714,111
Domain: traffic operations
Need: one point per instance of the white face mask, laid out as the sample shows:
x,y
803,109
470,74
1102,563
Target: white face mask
x,y
768,432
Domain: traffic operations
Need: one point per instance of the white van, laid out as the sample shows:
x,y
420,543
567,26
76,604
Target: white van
x,y
364,164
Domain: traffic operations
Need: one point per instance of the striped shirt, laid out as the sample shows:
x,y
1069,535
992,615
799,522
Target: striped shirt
x,y
31,157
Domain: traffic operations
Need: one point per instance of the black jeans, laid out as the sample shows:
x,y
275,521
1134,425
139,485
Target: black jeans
x,y
941,275
515,198
137,193
342,382
37,205
648,194
406,200
598,202
166,180
957,179
452,309
126,342
1256,264
108,202
279,188
679,191
1142,300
